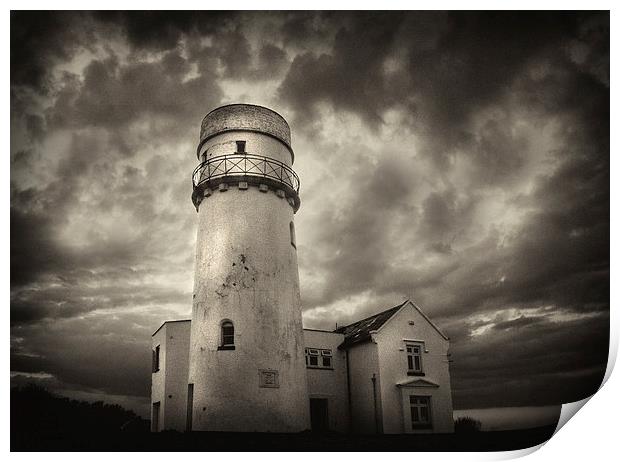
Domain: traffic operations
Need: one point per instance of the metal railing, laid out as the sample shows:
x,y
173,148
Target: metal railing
x,y
247,165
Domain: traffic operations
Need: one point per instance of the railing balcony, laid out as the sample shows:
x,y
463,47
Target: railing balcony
x,y
246,167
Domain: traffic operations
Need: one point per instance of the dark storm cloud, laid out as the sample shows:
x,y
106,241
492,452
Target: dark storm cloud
x,y
558,255
152,30
39,40
360,258
236,52
442,216
36,126
459,157
304,29
531,368
64,300
104,353
451,66
497,153
113,95
351,76
31,232
493,55
480,56
271,64
37,215
113,357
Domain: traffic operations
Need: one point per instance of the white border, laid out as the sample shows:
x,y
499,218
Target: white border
x,y
591,434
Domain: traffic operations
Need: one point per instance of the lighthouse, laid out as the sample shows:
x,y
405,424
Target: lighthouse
x,y
247,367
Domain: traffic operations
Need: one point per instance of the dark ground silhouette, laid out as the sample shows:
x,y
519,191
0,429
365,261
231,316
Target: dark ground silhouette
x,y
41,421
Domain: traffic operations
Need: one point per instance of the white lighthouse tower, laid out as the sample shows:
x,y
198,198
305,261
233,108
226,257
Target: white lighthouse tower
x,y
246,360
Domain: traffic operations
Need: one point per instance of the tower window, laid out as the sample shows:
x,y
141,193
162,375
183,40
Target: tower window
x,y
228,336
291,228
240,147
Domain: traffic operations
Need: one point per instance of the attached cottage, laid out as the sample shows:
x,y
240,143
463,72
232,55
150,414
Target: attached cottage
x,y
388,373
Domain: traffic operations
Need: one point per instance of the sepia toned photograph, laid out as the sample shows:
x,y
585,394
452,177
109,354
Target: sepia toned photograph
x,y
306,230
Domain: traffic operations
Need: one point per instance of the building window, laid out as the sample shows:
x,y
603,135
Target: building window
x,y
155,363
420,412
291,228
312,357
318,359
414,359
228,336
240,147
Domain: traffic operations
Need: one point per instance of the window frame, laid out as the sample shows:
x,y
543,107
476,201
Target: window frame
x,y
411,357
421,425
321,356
291,229
224,324
156,361
240,144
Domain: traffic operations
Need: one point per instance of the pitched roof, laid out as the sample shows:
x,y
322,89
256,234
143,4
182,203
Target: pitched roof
x,y
359,331
430,322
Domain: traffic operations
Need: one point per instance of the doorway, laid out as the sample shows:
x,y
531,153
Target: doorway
x,y
318,415
155,417
190,407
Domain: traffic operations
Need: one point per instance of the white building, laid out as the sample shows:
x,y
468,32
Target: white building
x,y
243,362
388,373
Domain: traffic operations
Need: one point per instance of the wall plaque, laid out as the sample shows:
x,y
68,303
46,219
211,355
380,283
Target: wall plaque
x,y
268,378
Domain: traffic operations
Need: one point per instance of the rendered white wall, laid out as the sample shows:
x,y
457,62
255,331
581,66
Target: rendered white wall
x,y
158,379
363,363
169,384
177,367
392,357
330,384
255,143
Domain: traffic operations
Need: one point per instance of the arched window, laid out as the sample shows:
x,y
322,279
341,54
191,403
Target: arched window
x,y
228,335
291,227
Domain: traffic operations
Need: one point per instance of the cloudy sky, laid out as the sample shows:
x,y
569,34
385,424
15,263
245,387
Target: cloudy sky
x,y
459,159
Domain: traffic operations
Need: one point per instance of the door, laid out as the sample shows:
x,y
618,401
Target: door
x,y
155,417
318,414
190,406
